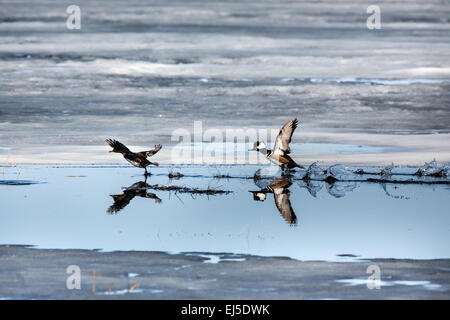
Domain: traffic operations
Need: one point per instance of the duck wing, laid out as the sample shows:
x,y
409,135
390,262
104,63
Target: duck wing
x,y
120,201
117,146
283,204
150,153
281,146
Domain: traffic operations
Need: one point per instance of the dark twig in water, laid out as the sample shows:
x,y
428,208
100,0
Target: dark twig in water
x,y
222,176
179,198
438,174
175,175
406,181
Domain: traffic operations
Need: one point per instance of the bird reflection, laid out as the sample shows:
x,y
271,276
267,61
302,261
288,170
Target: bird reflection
x,y
279,187
138,189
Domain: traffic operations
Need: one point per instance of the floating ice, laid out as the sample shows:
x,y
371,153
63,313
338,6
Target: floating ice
x,y
315,172
340,171
431,169
387,171
126,291
445,169
132,275
428,168
212,258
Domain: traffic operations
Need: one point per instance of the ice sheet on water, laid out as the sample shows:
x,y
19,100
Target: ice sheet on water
x,y
315,172
330,174
431,169
340,172
428,168
387,171
446,169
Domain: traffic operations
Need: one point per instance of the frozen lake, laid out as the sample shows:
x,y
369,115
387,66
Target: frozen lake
x,y
139,70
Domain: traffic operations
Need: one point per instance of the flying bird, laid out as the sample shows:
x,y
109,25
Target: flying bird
x,y
138,159
280,153
281,194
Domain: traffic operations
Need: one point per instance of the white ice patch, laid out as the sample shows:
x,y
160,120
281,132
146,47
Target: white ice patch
x,y
121,292
359,282
132,275
182,267
215,258
125,291
387,82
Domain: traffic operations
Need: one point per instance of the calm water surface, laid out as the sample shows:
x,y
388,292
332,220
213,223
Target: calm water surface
x,y
71,207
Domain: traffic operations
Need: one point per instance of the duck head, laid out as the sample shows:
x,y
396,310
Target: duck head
x,y
258,145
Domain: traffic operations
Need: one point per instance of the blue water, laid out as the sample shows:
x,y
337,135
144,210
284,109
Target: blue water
x,y
68,209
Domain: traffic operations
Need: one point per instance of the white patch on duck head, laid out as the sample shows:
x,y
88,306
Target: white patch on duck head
x,y
261,196
261,145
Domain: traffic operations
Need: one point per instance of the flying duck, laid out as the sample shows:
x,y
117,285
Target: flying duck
x,y
280,191
280,153
138,159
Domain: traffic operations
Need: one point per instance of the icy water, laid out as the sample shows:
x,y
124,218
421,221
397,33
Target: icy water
x,y
155,66
71,207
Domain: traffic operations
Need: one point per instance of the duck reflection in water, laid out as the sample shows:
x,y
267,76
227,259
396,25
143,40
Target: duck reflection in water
x,y
138,189
279,187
